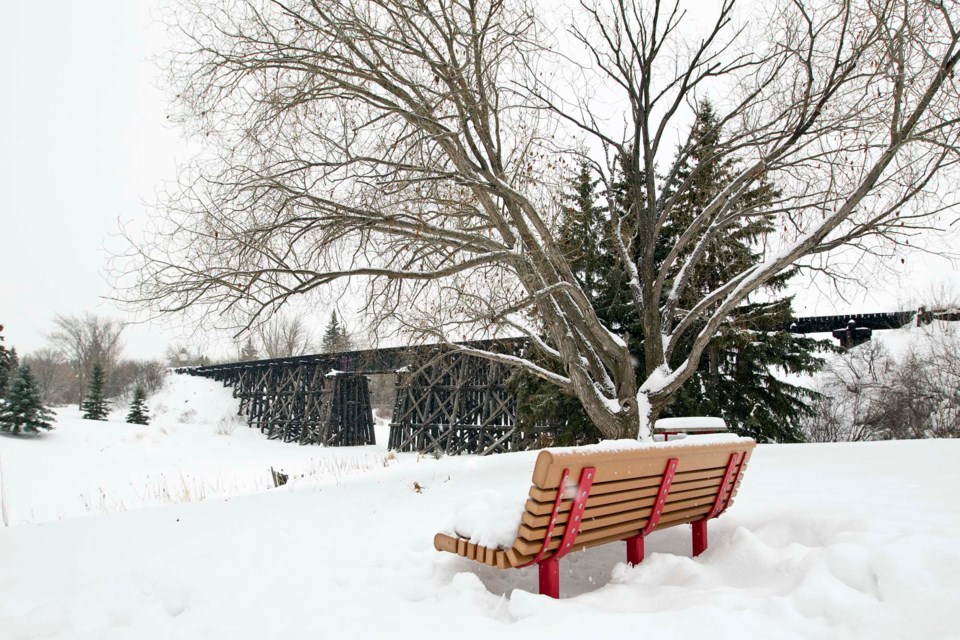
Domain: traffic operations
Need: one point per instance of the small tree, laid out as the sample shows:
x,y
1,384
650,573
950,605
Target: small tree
x,y
335,337
248,351
95,406
8,363
138,408
22,412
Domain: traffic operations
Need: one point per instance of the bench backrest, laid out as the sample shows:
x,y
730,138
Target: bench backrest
x,y
624,490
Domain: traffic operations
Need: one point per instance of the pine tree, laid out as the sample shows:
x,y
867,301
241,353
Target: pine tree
x,y
735,379
249,351
138,408
95,406
22,412
335,336
584,240
8,363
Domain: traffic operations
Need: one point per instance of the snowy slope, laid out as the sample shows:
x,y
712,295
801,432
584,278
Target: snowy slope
x,y
824,541
196,447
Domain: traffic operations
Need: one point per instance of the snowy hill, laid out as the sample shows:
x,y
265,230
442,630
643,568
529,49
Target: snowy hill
x,y
196,447
824,541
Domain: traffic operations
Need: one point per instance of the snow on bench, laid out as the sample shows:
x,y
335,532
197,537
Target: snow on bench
x,y
616,490
688,425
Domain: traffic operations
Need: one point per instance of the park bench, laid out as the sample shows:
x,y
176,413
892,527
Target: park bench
x,y
665,428
619,490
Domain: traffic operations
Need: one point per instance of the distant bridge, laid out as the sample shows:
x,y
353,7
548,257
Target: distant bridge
x,y
446,401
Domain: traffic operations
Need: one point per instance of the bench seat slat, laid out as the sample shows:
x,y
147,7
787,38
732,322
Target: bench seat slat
x,y
622,529
625,465
535,535
535,507
626,501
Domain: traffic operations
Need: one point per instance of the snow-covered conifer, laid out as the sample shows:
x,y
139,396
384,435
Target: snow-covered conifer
x,y
21,411
138,408
94,405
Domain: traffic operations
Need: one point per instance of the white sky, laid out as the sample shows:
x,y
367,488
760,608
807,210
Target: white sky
x,y
83,145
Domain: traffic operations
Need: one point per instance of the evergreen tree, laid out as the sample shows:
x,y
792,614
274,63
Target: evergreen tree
x,y
8,363
138,408
335,336
584,240
735,379
22,412
95,406
249,351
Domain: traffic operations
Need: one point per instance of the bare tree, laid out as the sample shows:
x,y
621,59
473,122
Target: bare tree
x,y
180,355
870,394
128,375
417,146
284,337
55,377
86,340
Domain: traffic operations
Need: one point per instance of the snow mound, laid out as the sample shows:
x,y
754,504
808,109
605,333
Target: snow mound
x,y
187,399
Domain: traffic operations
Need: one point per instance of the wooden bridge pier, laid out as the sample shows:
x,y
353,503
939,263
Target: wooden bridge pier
x,y
300,401
456,403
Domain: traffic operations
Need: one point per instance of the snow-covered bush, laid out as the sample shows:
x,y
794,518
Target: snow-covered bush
x,y
872,393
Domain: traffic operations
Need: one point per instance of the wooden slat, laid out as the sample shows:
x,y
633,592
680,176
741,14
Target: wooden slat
x,y
548,495
627,501
443,542
535,535
527,547
712,478
516,559
626,464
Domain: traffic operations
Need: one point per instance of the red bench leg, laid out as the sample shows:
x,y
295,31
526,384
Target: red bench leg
x,y
635,550
550,578
699,536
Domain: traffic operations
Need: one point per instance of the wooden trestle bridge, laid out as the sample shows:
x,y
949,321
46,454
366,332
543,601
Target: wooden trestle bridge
x,y
446,400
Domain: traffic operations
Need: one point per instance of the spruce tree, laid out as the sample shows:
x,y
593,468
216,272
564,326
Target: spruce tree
x,y
583,239
8,363
22,412
94,405
138,408
249,351
735,380
335,337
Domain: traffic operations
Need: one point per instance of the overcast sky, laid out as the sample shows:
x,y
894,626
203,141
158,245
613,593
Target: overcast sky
x,y
83,145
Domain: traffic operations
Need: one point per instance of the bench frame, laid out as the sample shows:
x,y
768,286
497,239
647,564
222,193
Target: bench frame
x,y
550,567
548,562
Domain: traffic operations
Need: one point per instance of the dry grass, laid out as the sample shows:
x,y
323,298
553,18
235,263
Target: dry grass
x,y
184,488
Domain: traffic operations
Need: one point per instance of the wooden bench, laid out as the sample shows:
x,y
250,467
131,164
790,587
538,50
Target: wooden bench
x,y
614,491
666,427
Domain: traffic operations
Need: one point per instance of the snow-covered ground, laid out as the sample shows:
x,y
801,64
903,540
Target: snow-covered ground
x,y
196,447
824,541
